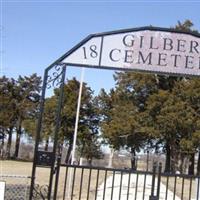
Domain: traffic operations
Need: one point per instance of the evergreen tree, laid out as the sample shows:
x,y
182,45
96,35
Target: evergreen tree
x,y
121,114
88,119
18,100
7,111
26,98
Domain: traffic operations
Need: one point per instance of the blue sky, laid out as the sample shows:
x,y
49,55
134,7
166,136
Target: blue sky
x,y
36,33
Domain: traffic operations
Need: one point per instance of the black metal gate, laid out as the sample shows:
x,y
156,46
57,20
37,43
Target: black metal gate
x,y
98,183
54,77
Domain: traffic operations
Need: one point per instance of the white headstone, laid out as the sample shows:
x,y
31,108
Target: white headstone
x,y
2,189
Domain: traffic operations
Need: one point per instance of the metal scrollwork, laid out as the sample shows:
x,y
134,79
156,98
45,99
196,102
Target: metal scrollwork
x,y
54,79
40,192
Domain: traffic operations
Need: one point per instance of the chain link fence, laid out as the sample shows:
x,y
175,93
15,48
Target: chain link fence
x,y
17,187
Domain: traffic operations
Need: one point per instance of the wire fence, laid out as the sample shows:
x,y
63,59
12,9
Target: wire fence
x,y
17,187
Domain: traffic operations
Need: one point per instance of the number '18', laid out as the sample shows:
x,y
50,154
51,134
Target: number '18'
x,y
90,52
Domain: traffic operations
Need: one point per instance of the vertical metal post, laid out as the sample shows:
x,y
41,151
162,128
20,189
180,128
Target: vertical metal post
x,y
38,130
57,177
65,183
77,116
152,197
58,114
198,188
159,179
147,169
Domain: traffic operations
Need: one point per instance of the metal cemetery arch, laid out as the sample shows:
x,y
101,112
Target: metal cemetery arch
x,y
145,49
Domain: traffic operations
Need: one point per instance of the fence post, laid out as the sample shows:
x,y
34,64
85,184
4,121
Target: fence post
x,y
159,179
152,197
198,188
57,171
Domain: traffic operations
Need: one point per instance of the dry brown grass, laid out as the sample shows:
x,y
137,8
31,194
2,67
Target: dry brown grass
x,y
15,167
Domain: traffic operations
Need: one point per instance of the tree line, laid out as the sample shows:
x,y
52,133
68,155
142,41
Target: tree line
x,y
19,109
142,112
154,112
19,100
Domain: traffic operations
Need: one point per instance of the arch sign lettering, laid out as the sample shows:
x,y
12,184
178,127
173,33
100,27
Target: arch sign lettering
x,y
156,50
